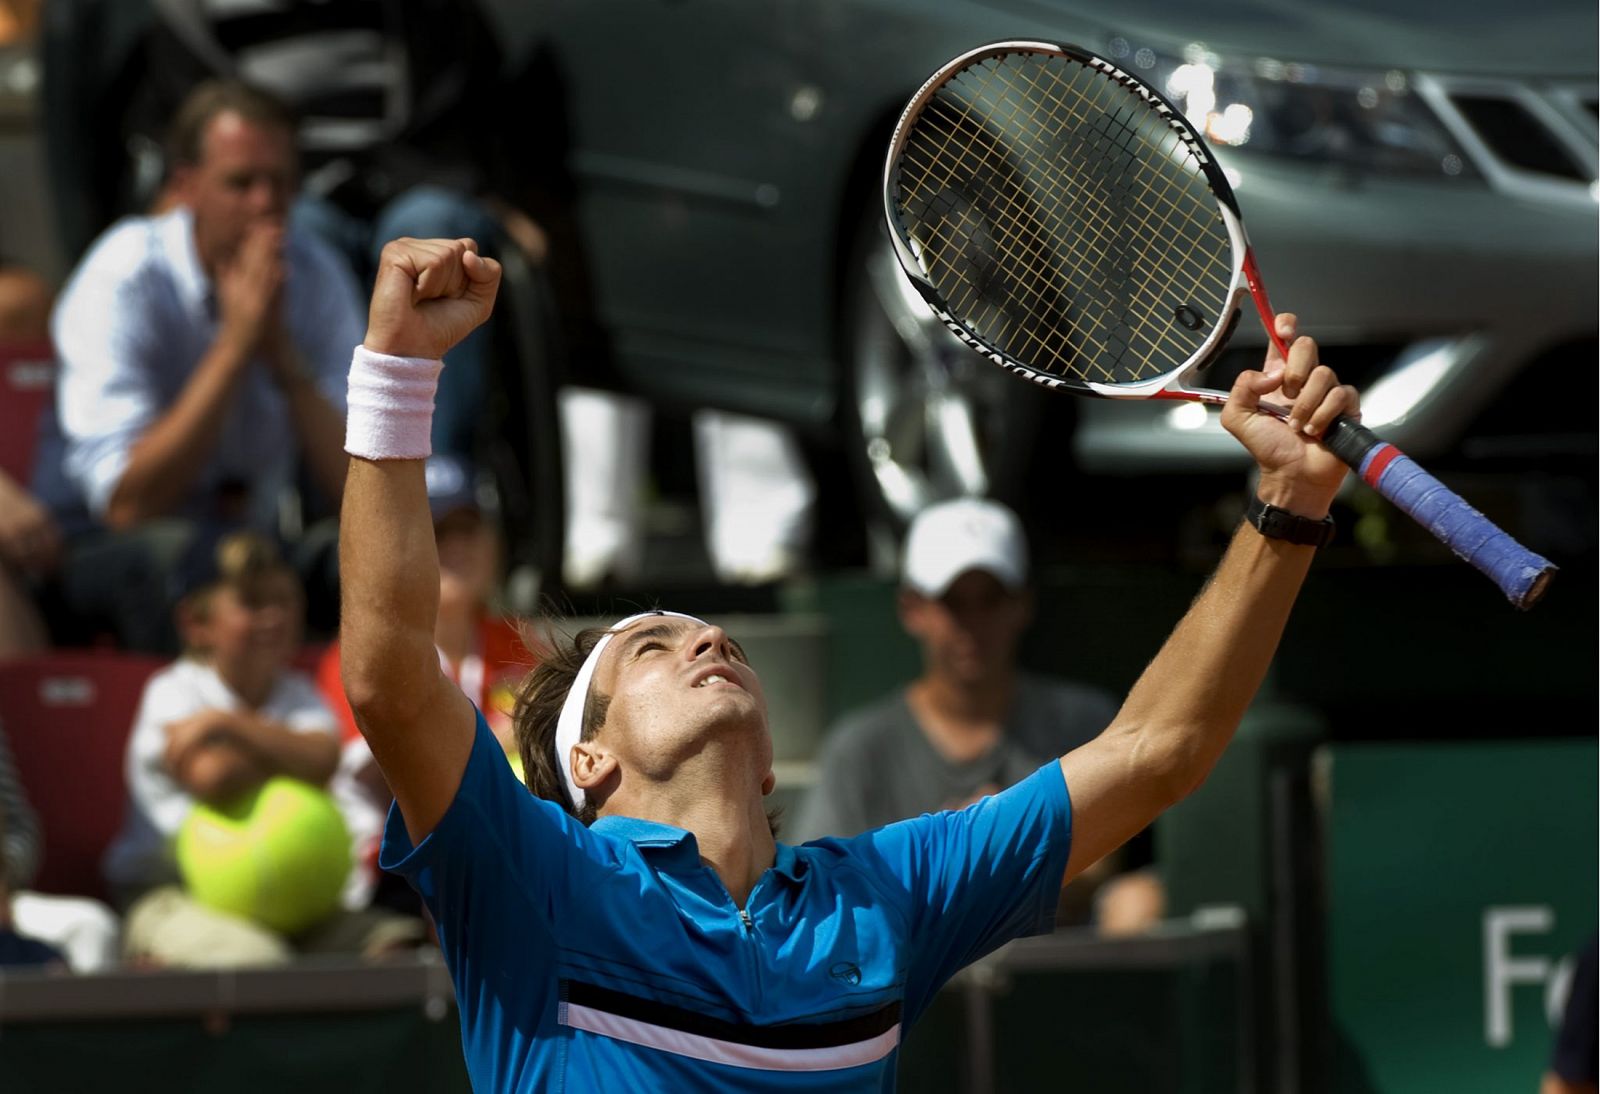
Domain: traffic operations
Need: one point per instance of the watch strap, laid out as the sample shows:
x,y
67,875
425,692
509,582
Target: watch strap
x,y
1276,523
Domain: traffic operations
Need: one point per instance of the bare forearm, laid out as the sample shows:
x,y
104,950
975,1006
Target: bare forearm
x,y
1183,711
389,578
1190,699
310,757
218,772
164,462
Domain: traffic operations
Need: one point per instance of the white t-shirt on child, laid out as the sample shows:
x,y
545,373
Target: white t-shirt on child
x,y
141,856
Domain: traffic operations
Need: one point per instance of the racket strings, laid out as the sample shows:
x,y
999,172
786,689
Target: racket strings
x,y
1106,127
1112,159
1063,220
1008,211
963,232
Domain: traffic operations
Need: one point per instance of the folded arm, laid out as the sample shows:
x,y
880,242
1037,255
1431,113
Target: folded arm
x,y
219,754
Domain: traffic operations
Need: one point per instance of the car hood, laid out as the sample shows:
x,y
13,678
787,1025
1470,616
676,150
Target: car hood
x,y
1464,37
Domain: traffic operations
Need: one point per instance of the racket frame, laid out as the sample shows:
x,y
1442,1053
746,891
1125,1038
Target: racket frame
x,y
1245,281
1521,574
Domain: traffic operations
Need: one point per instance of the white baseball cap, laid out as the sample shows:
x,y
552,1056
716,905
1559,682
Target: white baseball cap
x,y
950,538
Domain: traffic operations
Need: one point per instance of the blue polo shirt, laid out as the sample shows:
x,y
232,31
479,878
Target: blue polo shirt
x,y
610,958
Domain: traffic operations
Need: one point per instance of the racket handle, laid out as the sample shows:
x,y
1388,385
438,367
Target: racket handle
x,y
1521,574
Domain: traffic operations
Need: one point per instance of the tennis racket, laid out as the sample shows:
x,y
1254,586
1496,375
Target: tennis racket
x,y
1066,221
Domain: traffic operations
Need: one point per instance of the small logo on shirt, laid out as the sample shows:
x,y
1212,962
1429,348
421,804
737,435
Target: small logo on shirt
x,y
846,972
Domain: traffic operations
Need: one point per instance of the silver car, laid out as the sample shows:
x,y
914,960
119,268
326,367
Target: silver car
x,y
1418,177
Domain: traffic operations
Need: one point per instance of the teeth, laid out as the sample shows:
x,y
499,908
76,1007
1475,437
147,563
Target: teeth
x,y
712,679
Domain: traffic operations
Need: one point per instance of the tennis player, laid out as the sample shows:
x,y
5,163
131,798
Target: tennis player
x,y
632,924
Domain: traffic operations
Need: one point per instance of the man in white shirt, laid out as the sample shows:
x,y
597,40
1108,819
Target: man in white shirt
x,y
203,354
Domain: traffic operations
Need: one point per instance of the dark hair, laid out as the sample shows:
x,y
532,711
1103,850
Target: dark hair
x,y
540,698
212,98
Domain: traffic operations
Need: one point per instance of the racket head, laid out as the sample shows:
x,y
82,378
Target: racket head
x,y
1064,219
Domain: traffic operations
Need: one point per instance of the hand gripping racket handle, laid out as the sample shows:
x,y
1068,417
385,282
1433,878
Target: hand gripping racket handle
x,y
1521,574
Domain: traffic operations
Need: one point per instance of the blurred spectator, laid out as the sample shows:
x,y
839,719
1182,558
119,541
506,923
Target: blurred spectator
x,y
973,723
393,133
212,728
399,146
1574,1063
481,650
202,365
18,950
83,930
397,142
30,539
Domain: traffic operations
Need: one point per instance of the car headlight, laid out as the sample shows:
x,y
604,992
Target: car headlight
x,y
1366,119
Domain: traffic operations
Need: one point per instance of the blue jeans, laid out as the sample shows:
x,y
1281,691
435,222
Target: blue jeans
x,y
423,212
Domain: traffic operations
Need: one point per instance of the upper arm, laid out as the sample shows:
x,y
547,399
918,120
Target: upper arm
x,y
977,877
423,750
106,396
1117,789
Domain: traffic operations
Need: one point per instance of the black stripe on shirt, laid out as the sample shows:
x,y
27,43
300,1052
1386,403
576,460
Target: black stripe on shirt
x,y
847,1031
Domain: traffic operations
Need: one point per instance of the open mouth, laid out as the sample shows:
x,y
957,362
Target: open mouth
x,y
715,678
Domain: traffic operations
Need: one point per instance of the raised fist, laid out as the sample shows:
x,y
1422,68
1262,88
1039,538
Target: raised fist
x,y
429,295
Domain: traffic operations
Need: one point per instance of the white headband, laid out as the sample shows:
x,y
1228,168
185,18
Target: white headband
x,y
569,727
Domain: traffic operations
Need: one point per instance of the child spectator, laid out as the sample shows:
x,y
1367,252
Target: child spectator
x,y
212,728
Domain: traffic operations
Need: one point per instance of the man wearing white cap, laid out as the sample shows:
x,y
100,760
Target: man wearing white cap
x,y
972,723
627,920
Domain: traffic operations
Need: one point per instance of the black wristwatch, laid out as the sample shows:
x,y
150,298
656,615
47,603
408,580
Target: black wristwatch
x,y
1275,523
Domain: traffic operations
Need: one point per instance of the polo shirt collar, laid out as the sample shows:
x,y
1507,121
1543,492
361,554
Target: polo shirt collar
x,y
675,846
678,847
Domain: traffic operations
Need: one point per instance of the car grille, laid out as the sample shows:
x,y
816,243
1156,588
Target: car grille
x,y
1534,139
1512,131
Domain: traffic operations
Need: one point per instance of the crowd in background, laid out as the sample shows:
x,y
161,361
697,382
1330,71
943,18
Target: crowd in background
x,y
183,495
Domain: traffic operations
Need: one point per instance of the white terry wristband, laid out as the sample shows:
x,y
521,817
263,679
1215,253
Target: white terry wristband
x,y
390,406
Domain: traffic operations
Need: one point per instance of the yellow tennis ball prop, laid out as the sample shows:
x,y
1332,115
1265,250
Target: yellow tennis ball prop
x,y
278,855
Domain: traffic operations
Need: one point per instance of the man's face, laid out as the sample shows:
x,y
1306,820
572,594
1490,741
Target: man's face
x,y
246,176
676,686
469,559
971,632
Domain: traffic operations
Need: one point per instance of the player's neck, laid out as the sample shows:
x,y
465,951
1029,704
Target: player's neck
x,y
724,809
